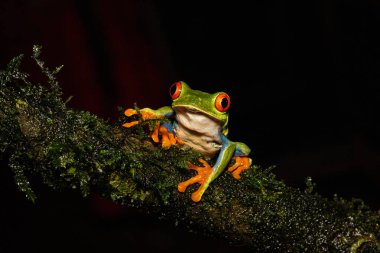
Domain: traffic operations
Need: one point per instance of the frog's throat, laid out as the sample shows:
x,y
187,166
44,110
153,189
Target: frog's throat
x,y
207,145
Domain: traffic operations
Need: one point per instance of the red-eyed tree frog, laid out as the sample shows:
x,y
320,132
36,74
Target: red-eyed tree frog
x,y
200,122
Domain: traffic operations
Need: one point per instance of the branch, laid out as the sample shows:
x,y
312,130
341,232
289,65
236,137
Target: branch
x,y
76,150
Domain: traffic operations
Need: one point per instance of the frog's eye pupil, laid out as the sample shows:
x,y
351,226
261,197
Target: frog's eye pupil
x,y
172,90
222,102
175,90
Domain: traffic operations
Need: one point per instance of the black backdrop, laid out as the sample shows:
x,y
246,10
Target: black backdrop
x,y
303,77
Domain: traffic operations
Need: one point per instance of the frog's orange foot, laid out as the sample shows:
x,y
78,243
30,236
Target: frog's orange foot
x,y
242,163
203,178
168,138
145,115
130,112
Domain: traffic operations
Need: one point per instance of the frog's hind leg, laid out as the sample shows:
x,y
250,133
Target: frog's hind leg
x,y
242,161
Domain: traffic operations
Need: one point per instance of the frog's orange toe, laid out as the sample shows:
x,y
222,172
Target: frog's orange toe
x,y
203,178
197,196
130,124
154,134
129,112
182,186
242,163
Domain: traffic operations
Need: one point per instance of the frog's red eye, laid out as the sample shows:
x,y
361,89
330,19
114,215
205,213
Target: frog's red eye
x,y
175,90
222,102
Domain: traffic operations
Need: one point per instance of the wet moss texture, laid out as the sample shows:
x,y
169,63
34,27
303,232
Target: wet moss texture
x,y
68,149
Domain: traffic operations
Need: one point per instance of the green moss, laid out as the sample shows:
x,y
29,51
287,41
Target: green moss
x,y
76,150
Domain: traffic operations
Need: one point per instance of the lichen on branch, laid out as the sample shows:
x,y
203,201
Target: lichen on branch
x,y
70,149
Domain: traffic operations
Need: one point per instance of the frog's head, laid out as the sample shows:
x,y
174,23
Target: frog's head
x,y
213,105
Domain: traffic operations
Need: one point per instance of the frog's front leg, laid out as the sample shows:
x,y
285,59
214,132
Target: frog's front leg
x,y
242,161
207,174
165,130
147,113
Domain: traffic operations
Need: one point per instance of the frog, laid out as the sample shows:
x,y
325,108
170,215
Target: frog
x,y
199,121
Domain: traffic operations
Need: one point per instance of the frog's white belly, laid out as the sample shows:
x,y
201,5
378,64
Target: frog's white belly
x,y
199,131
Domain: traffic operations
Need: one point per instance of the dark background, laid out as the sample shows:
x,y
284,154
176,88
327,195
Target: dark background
x,y
303,77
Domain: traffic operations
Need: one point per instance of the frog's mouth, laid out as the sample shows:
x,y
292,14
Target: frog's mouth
x,y
191,110
183,109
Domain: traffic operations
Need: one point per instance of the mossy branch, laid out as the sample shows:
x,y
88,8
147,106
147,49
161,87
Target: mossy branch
x,y
72,149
